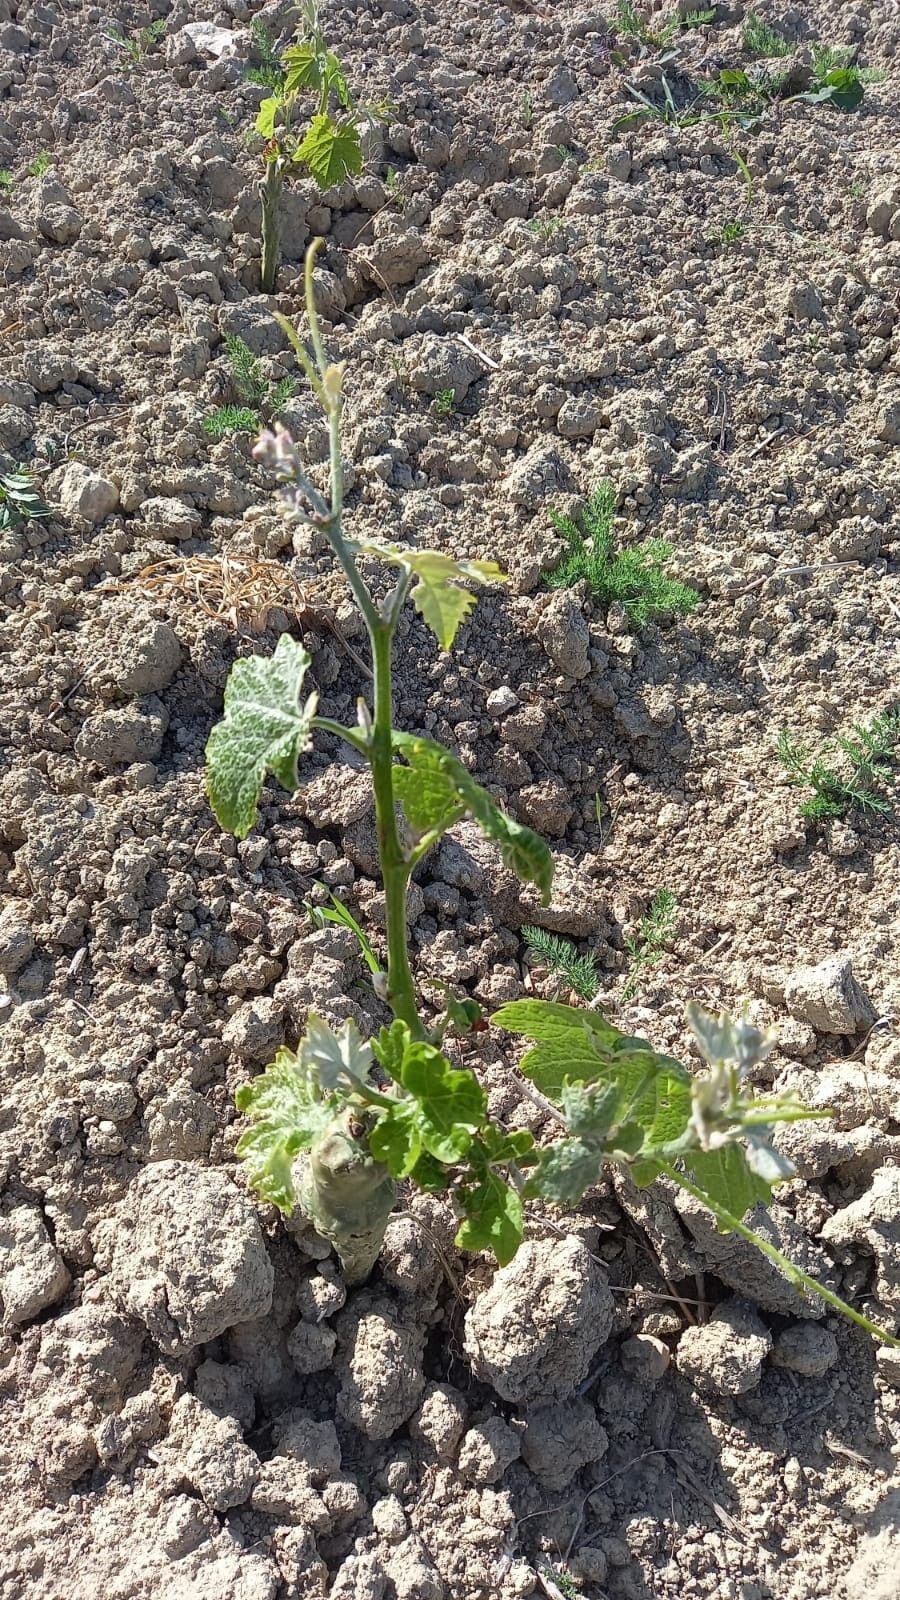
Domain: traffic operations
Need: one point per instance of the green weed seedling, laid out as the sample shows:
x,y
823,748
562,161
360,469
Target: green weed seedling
x,y
545,228
578,973
6,180
19,501
444,403
392,185
329,149
763,41
253,389
138,45
647,945
526,110
633,576
869,753
730,232
322,1130
40,164
270,74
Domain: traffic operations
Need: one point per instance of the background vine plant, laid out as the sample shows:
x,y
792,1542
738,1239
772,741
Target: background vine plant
x,y
330,146
335,1125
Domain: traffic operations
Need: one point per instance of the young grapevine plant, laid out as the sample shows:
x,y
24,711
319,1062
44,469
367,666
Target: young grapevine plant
x,y
337,1124
330,147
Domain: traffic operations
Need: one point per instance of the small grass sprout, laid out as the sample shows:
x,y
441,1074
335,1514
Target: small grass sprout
x,y
578,973
19,500
40,164
444,403
633,576
869,755
763,41
6,180
526,109
646,946
699,19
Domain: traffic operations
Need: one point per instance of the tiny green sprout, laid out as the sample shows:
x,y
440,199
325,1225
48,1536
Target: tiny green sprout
x,y
138,45
633,576
335,1127
698,19
730,232
578,973
526,109
858,189
444,403
6,180
647,945
40,164
544,228
392,184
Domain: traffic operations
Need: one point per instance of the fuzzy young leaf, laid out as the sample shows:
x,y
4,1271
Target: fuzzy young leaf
x,y
331,150
435,790
439,594
264,729
390,1047
722,1039
287,1114
335,1060
494,1219
564,1172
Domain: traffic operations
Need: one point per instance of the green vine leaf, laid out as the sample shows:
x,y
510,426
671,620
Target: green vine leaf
x,y
727,1177
303,68
264,729
435,790
439,595
396,1139
267,116
451,1102
331,150
287,1114
494,1218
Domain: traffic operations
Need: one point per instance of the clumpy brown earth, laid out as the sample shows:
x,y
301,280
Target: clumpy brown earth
x,y
194,1407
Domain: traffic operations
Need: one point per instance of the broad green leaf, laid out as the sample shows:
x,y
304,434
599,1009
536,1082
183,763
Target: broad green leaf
x,y
264,729
331,150
334,1060
287,1115
303,68
494,1219
842,88
567,1041
726,1176
451,1102
268,115
438,594
564,1172
435,788
396,1139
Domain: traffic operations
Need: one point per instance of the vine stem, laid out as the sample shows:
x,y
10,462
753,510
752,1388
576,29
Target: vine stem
x,y
793,1273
